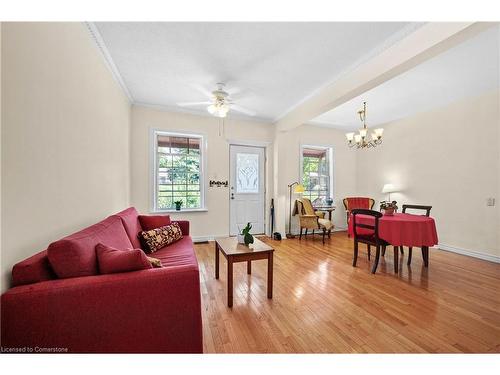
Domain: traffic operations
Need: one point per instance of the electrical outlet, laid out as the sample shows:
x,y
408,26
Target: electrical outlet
x,y
490,202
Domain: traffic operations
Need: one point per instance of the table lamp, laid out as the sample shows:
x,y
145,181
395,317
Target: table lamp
x,y
298,189
388,189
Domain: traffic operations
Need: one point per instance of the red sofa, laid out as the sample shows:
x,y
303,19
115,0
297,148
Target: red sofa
x,y
149,311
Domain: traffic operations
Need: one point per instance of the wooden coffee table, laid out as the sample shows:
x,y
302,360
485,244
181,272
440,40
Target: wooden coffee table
x,y
235,252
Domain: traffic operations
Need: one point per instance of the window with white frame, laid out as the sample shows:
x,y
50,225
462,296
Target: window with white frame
x,y
317,172
178,171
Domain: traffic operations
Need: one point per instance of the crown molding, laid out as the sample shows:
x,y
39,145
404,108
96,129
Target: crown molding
x,y
108,60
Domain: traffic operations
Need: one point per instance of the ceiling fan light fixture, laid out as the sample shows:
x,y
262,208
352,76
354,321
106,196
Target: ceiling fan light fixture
x,y
218,110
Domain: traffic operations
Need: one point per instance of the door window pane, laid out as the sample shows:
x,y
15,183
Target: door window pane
x,y
247,173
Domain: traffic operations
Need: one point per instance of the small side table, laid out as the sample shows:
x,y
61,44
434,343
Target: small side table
x,y
328,209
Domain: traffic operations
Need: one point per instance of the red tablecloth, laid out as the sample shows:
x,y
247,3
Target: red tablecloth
x,y
402,229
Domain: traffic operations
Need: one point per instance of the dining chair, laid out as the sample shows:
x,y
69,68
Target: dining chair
x,y
351,203
368,234
427,210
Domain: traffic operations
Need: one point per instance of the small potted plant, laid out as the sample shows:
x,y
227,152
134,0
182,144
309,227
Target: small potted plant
x,y
245,236
178,205
388,207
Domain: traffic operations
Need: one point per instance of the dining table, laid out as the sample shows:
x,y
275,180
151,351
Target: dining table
x,y
402,229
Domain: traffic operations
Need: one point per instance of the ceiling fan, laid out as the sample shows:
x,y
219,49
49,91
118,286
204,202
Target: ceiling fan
x,y
219,104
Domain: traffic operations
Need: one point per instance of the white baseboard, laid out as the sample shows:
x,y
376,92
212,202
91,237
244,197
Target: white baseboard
x,y
206,238
470,253
213,237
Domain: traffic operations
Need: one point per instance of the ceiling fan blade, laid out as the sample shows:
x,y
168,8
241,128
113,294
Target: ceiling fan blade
x,y
202,90
189,104
243,110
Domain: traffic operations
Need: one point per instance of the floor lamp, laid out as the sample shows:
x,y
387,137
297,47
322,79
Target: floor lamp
x,y
299,189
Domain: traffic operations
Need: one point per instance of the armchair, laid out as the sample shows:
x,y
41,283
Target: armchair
x,y
310,219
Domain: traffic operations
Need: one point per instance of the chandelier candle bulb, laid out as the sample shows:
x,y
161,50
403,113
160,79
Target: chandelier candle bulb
x,y
350,136
357,138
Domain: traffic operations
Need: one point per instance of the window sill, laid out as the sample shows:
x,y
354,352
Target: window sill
x,y
180,211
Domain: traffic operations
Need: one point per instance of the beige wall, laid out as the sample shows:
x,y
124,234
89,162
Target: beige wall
x,y
288,169
215,221
447,158
65,137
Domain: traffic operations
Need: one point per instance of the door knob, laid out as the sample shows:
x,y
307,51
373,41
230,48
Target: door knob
x,y
232,195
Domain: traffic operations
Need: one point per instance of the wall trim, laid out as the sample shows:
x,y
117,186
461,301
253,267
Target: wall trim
x,y
470,253
108,60
210,237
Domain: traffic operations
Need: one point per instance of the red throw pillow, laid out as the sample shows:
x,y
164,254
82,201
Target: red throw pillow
x,y
149,222
112,260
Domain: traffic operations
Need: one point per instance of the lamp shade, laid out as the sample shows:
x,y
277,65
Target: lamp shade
x,y
299,189
389,188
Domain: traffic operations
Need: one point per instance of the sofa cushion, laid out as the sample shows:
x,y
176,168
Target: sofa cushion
x,y
32,270
149,222
112,260
75,256
160,237
179,253
130,221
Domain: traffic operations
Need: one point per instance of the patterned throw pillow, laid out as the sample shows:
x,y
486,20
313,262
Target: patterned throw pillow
x,y
155,239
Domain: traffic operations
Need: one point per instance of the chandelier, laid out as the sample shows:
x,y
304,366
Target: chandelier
x,y
361,140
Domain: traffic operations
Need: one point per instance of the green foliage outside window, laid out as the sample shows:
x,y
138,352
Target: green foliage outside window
x,y
178,174
315,174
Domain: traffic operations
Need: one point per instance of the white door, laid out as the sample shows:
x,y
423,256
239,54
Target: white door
x,y
246,193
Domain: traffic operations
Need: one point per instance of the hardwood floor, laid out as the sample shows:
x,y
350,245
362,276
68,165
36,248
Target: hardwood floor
x,y
322,304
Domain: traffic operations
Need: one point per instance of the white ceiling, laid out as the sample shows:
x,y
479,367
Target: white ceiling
x,y
275,66
466,70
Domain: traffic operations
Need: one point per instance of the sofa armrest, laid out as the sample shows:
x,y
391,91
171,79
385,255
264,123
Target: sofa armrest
x,y
184,225
154,310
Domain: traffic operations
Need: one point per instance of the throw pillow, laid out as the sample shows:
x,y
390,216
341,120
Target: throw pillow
x,y
111,260
149,222
160,237
156,263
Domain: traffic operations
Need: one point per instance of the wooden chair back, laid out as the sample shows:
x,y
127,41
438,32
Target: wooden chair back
x,y
417,207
